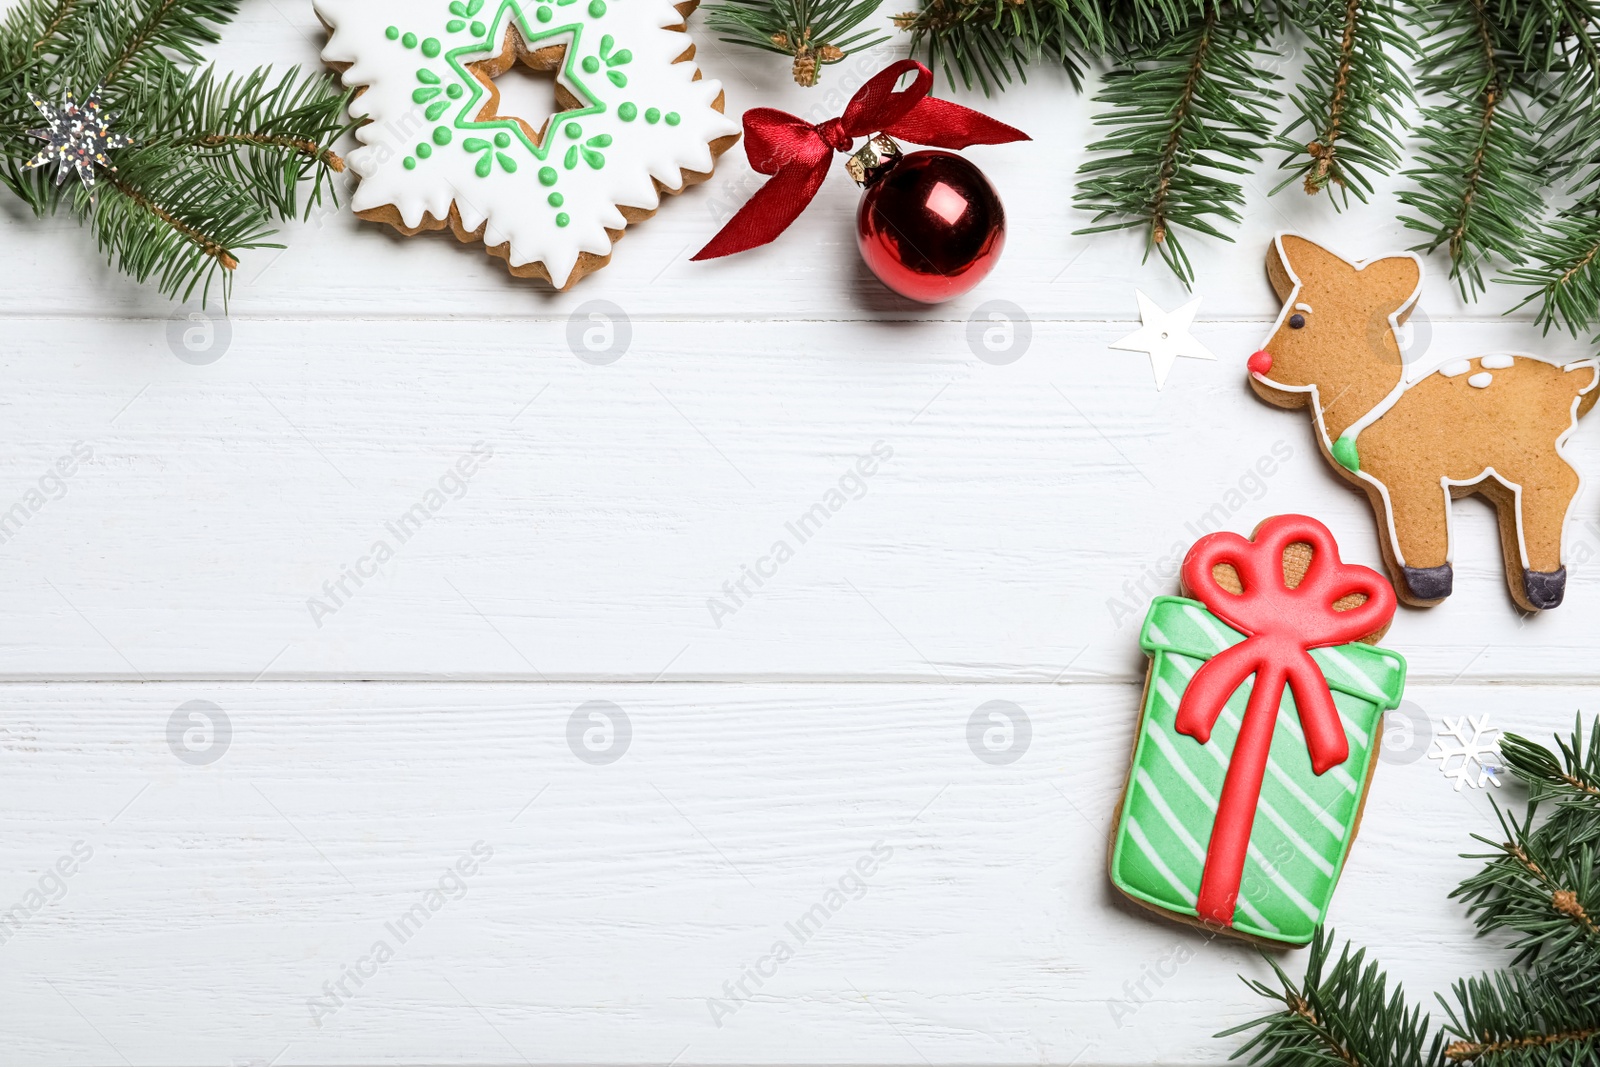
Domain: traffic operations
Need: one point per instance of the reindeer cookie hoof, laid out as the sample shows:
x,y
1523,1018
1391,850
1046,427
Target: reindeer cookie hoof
x,y
1435,583
1544,589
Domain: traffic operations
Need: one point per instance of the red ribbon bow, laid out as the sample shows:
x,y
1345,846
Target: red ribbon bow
x,y
796,153
1282,625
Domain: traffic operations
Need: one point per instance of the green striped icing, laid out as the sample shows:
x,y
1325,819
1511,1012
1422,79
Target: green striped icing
x,y
1304,822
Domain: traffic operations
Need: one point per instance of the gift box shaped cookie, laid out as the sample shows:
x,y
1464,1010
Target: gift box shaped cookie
x,y
1260,727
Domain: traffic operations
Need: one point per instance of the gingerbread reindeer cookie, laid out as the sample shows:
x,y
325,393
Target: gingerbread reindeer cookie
x,y
1494,425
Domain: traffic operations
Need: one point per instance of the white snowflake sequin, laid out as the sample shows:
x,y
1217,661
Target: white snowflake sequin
x,y
1467,751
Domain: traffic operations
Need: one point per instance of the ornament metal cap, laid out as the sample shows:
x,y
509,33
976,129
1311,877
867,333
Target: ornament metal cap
x,y
873,159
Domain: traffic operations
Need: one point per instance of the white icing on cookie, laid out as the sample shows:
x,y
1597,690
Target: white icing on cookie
x,y
1455,368
1480,381
644,117
1497,362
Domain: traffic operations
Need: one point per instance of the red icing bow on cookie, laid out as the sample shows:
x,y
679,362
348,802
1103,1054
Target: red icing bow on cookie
x,y
1281,625
796,152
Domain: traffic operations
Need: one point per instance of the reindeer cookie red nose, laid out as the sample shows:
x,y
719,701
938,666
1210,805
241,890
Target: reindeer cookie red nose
x,y
1260,363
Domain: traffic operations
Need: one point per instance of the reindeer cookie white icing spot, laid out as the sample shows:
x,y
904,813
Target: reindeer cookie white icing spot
x,y
1415,446
550,198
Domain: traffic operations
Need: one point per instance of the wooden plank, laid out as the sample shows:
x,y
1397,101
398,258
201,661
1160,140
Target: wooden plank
x,y
1024,518
619,898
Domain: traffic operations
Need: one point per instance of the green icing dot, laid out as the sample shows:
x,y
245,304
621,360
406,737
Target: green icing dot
x,y
478,29
590,64
556,199
544,14
562,219
502,140
430,47
672,118
574,130
454,92
628,112
441,135
547,175
1344,450
393,33
409,40
653,116
409,163
424,149
597,8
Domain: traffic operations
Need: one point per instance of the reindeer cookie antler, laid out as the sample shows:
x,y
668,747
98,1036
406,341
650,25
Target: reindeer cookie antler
x,y
1493,425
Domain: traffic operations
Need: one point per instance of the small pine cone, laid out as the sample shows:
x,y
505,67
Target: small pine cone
x,y
905,20
780,40
829,53
805,69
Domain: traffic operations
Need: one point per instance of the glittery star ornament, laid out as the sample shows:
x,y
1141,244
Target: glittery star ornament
x,y
78,137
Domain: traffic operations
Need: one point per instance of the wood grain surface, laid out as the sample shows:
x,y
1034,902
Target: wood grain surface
x,y
273,736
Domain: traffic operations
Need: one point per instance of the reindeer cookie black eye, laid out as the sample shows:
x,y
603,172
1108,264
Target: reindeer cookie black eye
x,y
1297,321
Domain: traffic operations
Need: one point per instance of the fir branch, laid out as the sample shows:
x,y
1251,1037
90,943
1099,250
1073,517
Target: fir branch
x,y
1479,190
990,42
47,18
1542,882
1562,61
1571,775
1344,1015
814,32
213,161
1350,97
160,217
27,30
1513,1019
1563,269
143,37
271,137
1192,106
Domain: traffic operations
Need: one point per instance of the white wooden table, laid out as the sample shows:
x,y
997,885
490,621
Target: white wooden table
x,y
634,871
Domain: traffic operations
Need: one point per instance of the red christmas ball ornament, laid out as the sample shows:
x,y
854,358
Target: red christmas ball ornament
x,y
930,225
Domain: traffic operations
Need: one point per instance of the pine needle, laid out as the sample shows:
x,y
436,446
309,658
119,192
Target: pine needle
x,y
1350,96
1478,190
814,32
1343,1015
1186,113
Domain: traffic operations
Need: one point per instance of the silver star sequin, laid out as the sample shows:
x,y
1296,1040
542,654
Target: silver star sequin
x,y
77,138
